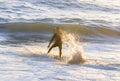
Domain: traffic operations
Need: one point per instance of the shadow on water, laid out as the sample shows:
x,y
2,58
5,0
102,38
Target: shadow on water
x,y
36,57
22,38
104,67
116,65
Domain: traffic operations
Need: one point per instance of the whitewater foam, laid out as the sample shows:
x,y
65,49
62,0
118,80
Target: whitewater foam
x,y
73,52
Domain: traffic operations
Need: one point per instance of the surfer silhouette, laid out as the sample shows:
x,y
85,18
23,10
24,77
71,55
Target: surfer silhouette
x,y
56,41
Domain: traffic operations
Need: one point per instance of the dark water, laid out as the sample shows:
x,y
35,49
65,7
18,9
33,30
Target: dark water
x,y
37,32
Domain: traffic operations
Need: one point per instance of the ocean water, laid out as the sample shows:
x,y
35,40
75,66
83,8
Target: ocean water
x,y
26,27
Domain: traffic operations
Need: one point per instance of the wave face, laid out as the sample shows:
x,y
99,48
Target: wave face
x,y
43,31
97,12
91,19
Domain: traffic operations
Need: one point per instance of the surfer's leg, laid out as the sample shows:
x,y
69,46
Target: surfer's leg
x,y
51,47
60,50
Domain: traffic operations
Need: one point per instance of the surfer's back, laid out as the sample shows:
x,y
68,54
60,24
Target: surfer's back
x,y
57,40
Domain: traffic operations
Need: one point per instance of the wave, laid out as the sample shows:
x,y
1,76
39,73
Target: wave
x,y
49,28
38,32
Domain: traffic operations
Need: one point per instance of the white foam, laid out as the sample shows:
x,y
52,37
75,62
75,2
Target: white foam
x,y
73,53
14,67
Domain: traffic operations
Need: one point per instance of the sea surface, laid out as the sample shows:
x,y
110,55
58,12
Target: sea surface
x,y
26,27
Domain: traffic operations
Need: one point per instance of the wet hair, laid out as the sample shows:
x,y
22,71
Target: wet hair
x,y
57,28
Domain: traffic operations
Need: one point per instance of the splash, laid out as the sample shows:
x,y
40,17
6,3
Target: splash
x,y
74,49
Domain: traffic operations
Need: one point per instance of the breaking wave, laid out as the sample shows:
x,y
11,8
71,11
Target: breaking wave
x,y
84,31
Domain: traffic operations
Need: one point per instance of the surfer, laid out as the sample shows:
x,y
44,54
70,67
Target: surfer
x,y
56,40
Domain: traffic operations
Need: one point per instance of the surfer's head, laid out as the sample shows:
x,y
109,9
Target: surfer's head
x,y
57,28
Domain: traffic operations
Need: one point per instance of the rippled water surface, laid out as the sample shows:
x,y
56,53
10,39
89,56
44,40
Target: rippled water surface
x,y
26,27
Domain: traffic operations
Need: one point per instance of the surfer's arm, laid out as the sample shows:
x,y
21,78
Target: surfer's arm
x,y
51,39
